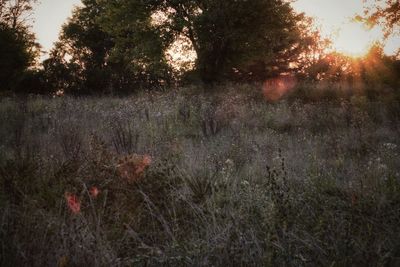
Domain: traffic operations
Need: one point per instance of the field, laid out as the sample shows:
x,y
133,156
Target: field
x,y
230,180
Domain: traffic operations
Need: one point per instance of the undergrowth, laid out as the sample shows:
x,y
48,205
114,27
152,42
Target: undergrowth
x,y
180,179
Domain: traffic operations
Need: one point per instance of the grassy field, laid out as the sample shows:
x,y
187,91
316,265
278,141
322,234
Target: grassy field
x,y
233,180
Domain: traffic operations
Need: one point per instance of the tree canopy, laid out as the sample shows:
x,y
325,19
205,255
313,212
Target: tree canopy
x,y
117,46
18,47
228,36
96,57
78,60
385,13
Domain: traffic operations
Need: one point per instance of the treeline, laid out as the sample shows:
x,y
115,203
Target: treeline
x,y
118,46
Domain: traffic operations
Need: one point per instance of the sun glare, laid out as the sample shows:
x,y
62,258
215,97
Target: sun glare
x,y
335,17
353,39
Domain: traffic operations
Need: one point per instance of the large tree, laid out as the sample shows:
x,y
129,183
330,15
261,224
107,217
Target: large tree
x,y
78,60
18,48
233,36
14,56
139,44
89,58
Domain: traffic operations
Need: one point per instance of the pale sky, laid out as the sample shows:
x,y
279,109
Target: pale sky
x,y
49,16
333,15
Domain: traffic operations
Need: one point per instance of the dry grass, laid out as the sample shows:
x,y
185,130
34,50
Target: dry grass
x,y
232,180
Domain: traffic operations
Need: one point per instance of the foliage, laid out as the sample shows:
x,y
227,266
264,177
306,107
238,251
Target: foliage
x,y
15,58
16,13
386,13
88,59
293,183
33,82
374,68
18,48
229,37
137,43
312,62
120,46
78,61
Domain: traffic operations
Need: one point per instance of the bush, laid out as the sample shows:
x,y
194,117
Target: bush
x,y
33,82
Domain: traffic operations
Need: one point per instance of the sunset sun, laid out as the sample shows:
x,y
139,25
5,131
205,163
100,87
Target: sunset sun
x,y
354,40
336,19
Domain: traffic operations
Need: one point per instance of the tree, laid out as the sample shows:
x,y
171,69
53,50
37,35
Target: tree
x,y
311,62
89,59
16,13
139,43
386,13
78,61
378,68
61,75
229,37
18,48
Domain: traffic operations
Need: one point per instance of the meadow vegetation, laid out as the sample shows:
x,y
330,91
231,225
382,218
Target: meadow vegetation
x,y
224,178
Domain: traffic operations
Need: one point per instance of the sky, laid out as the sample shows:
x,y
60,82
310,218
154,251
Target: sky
x,y
334,17
49,16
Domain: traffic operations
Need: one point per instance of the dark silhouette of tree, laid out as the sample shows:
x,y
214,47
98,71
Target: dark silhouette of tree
x,y
60,74
14,58
18,48
78,61
16,13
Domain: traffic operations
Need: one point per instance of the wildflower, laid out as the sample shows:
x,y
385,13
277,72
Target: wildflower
x,y
94,191
73,202
141,166
146,160
133,166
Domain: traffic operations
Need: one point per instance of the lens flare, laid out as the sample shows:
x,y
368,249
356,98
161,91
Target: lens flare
x,y
276,88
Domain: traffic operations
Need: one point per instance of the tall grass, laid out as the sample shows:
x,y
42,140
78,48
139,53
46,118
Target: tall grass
x,y
233,180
